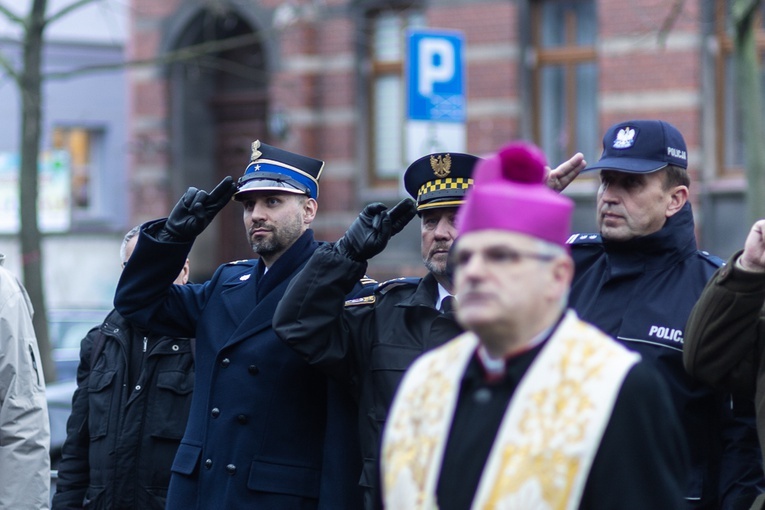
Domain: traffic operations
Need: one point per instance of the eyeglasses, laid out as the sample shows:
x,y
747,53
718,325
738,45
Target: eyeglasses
x,y
500,255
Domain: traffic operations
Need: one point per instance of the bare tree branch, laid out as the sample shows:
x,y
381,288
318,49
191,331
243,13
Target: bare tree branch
x,y
7,66
66,10
12,16
742,9
669,22
187,53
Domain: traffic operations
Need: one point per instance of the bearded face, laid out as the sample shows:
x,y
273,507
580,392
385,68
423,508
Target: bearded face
x,y
274,221
438,233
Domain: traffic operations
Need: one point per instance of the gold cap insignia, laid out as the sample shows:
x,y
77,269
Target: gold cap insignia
x,y
441,165
255,151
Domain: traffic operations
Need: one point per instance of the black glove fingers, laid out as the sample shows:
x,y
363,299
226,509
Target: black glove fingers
x,y
198,211
377,221
403,209
188,198
382,225
401,214
373,209
222,193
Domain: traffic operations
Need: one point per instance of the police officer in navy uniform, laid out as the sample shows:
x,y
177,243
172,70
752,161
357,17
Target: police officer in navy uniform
x,y
259,433
368,343
638,280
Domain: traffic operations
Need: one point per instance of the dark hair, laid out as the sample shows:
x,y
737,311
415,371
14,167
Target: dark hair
x,y
676,176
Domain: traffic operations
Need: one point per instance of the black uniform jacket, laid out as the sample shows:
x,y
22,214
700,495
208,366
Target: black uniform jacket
x,y
641,292
259,435
124,431
367,343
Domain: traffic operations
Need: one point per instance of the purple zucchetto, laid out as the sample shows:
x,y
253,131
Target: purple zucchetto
x,y
510,194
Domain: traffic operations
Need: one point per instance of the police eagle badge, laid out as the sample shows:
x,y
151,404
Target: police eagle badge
x,y
625,138
441,165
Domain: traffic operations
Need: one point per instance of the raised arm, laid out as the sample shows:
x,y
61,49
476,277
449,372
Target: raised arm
x,y
312,317
725,328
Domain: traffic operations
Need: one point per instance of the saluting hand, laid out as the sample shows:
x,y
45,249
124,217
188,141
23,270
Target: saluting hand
x,y
753,258
369,233
195,210
566,172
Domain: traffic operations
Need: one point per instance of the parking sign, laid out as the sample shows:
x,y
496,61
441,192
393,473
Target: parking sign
x,y
435,76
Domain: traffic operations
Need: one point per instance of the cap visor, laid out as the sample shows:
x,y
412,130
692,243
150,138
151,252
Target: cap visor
x,y
440,204
267,185
629,165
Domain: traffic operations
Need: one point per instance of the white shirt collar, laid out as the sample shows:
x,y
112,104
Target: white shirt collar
x,y
442,293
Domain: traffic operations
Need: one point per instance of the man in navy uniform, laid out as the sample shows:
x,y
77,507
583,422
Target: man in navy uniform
x,y
638,280
368,343
259,434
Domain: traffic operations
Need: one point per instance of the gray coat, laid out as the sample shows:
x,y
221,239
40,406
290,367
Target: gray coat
x,y
24,428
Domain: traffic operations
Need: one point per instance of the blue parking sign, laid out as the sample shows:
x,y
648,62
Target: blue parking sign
x,y
435,75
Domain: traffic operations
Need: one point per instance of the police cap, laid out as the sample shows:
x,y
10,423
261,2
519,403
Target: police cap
x,y
271,168
440,179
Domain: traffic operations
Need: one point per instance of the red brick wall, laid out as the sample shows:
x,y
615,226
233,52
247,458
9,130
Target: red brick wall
x,y
315,71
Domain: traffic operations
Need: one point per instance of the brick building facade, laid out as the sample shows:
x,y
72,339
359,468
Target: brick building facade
x,y
325,78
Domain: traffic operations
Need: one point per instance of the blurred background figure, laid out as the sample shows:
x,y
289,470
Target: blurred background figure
x,y
24,428
129,412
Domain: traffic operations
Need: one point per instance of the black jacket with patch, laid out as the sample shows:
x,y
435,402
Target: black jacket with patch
x,y
365,343
641,292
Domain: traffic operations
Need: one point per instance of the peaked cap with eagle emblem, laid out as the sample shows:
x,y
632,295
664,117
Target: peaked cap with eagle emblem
x,y
440,179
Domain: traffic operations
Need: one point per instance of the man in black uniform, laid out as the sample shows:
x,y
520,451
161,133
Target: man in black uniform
x,y
368,343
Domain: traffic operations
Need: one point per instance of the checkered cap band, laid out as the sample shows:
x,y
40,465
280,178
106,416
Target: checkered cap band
x,y
444,187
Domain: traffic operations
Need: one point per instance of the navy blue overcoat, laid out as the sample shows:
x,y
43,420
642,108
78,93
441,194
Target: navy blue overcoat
x,y
259,435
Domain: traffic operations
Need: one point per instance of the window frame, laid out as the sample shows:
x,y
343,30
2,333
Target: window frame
x,y
723,58
97,166
378,69
568,56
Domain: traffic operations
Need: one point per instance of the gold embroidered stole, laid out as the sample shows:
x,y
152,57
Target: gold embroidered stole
x,y
548,437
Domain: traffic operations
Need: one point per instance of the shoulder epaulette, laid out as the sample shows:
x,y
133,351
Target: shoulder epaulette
x,y
584,239
366,280
714,259
251,262
396,282
366,300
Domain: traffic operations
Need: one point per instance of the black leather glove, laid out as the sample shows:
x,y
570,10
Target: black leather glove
x,y
195,210
369,234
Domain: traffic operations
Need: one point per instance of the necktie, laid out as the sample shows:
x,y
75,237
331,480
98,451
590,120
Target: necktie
x,y
447,304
